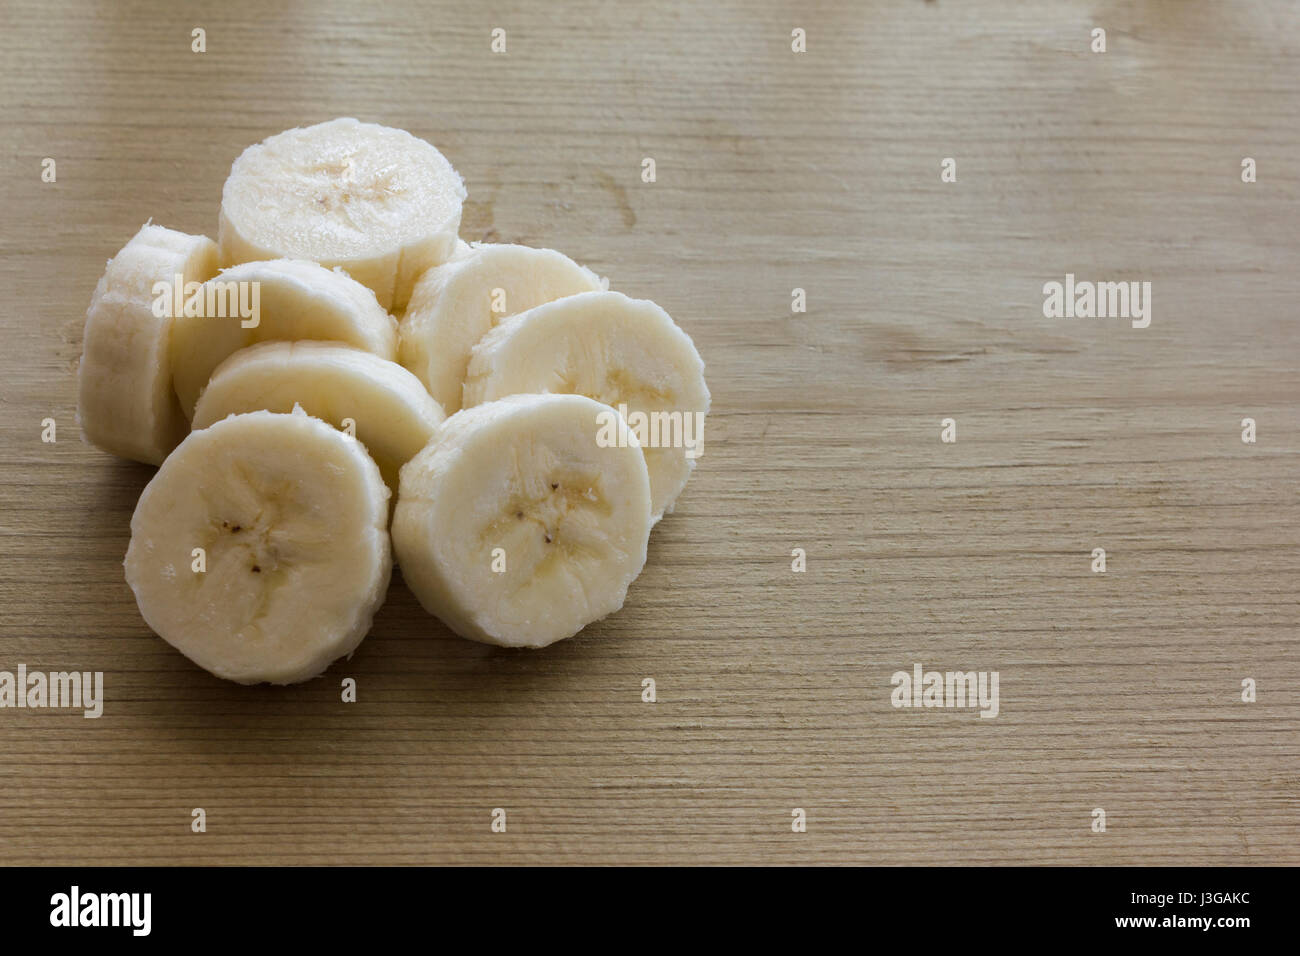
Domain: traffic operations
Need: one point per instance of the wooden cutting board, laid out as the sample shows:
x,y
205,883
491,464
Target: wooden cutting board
x,y
775,171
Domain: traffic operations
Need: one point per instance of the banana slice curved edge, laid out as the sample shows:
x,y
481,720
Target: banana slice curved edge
x,y
125,401
383,404
295,300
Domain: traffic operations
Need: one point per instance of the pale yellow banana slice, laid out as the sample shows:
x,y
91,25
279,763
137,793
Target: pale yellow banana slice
x,y
376,201
259,550
125,400
383,404
516,527
295,299
626,353
457,303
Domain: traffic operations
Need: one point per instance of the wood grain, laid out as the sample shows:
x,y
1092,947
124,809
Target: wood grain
x,y
775,170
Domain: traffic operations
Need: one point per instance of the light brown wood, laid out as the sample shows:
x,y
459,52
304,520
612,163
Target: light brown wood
x,y
775,170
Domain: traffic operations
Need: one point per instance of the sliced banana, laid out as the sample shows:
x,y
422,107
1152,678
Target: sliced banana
x,y
125,400
619,351
516,527
259,549
457,303
296,300
377,201
384,405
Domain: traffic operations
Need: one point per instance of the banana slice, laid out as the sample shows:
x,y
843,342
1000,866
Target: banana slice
x,y
516,527
124,386
290,515
390,411
296,300
457,303
377,201
626,353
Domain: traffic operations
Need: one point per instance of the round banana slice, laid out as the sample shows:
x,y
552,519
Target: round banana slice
x,y
457,303
380,402
626,353
516,526
377,201
259,549
125,400
277,300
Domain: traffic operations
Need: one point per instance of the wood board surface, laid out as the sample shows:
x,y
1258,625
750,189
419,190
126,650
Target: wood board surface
x,y
775,170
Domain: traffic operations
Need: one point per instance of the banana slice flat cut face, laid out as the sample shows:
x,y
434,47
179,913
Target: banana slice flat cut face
x,y
295,299
456,304
516,527
618,351
125,400
379,202
259,549
383,404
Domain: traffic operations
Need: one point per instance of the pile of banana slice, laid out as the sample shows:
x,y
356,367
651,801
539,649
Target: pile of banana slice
x,y
511,437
